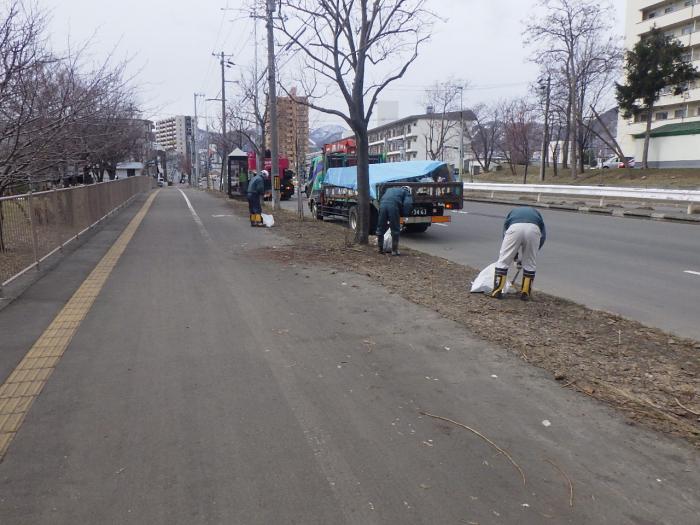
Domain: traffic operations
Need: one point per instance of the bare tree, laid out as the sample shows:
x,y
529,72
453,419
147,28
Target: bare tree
x,y
485,133
249,116
54,112
521,133
356,47
573,44
442,102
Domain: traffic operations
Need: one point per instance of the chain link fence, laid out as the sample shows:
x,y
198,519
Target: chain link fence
x,y
34,226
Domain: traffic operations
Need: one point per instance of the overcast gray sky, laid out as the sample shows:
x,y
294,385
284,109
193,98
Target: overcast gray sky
x,y
170,44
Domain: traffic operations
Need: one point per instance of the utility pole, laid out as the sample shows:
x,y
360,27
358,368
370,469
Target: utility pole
x,y
461,134
224,154
195,168
272,81
545,137
260,154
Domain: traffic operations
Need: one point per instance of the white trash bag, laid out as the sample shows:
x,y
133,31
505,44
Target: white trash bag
x,y
484,281
387,241
268,220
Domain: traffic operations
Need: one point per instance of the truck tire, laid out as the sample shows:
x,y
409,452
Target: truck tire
x,y
314,211
417,228
353,218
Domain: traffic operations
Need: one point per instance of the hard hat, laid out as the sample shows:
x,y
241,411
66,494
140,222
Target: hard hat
x,y
264,173
407,188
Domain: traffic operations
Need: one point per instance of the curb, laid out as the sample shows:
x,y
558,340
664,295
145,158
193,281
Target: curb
x,y
632,214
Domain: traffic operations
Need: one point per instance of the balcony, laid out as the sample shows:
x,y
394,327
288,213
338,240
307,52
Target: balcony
x,y
663,21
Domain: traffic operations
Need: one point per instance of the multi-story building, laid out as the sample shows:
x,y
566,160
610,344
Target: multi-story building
x,y
676,119
175,134
293,128
422,137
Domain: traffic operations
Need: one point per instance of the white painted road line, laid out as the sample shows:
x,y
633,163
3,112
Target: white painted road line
x,y
691,272
196,218
460,211
440,224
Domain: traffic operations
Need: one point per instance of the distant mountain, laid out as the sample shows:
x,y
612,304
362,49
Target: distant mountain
x,y
325,134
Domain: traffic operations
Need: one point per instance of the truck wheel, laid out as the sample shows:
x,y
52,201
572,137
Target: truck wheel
x,y
314,211
353,218
417,228
373,219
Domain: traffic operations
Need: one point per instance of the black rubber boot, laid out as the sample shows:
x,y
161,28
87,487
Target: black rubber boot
x,y
395,246
380,243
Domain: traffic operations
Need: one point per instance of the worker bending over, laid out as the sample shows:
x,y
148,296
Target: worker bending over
x,y
524,232
256,188
394,203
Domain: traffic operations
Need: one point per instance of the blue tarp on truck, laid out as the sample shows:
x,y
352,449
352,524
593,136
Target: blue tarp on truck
x,y
410,171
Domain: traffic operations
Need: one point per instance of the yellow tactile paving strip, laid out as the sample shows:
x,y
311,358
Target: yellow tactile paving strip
x,y
25,383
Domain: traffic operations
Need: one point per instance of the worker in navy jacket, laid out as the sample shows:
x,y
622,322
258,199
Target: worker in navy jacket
x,y
256,189
394,203
523,232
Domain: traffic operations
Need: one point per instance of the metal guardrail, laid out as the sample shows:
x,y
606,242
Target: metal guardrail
x,y
34,226
690,197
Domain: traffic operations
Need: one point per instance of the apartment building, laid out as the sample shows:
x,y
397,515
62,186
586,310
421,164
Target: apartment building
x,y
175,134
293,128
676,120
418,137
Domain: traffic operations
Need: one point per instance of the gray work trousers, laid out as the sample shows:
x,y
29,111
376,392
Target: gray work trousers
x,y
522,237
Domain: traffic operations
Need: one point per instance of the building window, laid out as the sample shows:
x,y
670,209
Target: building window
x,y
698,111
661,115
687,29
679,113
668,10
641,117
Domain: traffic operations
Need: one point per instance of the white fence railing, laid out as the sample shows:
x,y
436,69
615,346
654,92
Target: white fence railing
x,y
690,197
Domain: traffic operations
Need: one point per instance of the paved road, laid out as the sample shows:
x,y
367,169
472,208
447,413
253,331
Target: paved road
x,y
210,384
636,268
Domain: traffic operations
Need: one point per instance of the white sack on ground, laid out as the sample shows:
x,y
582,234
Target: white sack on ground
x,y
268,220
387,241
484,281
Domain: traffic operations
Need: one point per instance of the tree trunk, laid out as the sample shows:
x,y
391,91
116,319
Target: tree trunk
x,y
574,139
362,233
647,139
567,137
527,165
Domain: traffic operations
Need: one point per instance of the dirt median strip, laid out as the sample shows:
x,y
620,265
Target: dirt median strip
x,y
649,375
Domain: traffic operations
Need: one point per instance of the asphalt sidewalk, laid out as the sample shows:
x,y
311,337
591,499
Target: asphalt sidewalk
x,y
209,384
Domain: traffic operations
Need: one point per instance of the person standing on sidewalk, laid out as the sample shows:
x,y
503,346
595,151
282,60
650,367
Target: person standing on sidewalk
x,y
256,188
394,203
523,231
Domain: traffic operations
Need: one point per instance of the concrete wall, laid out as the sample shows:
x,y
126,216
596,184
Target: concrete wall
x,y
682,151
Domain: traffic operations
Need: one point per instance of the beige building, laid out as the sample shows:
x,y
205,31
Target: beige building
x,y
175,134
293,128
675,129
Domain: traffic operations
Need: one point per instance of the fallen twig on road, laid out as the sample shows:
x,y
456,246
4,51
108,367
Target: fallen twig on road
x,y
686,408
473,431
571,485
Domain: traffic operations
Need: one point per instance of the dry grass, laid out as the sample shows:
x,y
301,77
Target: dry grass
x,y
651,178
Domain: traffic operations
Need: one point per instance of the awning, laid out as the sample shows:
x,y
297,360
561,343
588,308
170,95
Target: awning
x,y
673,130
